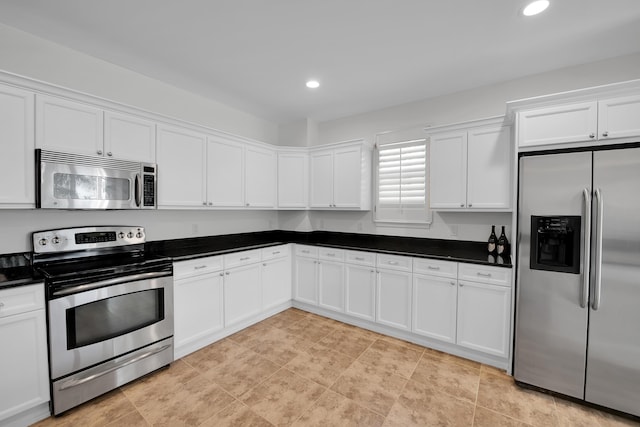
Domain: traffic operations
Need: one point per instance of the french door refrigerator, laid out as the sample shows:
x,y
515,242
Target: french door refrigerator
x,y
578,282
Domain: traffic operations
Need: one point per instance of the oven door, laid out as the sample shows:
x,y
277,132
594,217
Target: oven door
x,y
96,325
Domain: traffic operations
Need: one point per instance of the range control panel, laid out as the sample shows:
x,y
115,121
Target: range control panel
x,y
75,239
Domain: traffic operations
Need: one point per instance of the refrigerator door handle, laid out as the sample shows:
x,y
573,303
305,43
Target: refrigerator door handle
x,y
586,261
598,264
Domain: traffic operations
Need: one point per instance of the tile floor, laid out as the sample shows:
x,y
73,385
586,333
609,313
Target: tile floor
x,y
299,369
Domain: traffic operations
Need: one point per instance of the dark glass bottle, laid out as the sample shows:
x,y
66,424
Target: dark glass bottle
x,y
503,243
493,241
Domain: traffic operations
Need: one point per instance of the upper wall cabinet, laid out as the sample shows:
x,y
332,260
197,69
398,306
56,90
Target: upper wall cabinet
x,y
260,172
16,158
73,127
602,120
341,177
293,180
471,169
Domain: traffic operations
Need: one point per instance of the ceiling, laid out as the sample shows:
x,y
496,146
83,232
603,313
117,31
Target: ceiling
x,y
255,55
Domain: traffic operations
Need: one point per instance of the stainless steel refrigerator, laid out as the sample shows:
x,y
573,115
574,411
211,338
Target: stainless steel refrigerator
x,y
578,277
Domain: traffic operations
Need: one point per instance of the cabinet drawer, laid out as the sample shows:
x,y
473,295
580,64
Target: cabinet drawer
x,y
394,262
484,274
21,299
241,258
196,267
275,252
307,251
362,258
435,268
331,254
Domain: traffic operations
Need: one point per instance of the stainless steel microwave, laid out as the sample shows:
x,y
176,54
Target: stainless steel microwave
x,y
76,181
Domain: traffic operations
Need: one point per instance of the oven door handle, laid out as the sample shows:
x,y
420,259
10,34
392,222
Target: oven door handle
x,y
109,282
76,382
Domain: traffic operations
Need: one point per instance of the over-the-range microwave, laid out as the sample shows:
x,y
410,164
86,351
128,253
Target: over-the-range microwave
x,y
76,181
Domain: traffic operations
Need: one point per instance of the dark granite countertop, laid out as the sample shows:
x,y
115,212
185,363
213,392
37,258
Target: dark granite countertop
x,y
449,250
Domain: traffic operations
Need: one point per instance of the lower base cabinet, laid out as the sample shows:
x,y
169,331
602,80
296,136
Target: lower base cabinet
x,y
435,302
276,282
360,291
242,293
331,285
394,299
306,282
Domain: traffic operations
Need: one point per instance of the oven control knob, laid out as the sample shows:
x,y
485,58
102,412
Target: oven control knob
x,y
139,235
55,240
43,242
121,235
130,234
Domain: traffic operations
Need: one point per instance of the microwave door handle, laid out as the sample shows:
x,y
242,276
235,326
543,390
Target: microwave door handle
x,y
138,189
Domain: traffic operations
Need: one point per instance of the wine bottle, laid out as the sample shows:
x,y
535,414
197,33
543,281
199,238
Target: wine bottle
x,y
501,247
493,240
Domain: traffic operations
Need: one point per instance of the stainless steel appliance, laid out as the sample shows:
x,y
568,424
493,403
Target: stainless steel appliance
x,y
110,309
74,181
578,282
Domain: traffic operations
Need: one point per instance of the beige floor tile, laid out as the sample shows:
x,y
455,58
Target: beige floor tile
x,y
333,409
158,384
285,319
572,414
459,380
320,364
423,405
402,343
241,337
487,418
351,343
237,414
187,405
463,361
243,373
278,345
494,370
362,332
132,419
500,394
283,398
392,356
310,329
213,355
371,387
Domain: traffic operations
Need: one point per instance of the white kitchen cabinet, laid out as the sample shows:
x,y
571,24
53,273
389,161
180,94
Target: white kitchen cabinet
x,y
471,169
242,293
306,274
341,177
331,279
181,156
17,156
68,126
293,180
23,359
276,276
483,317
619,117
129,137
360,281
394,298
198,303
225,173
260,177
435,302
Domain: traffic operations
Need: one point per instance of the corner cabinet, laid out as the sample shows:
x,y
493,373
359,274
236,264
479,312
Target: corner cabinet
x,y
340,177
471,169
293,179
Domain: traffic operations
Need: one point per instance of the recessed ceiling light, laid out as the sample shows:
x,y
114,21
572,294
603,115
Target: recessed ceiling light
x,y
535,7
313,84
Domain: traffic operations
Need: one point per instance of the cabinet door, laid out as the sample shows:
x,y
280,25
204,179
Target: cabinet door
x,y
17,159
68,126
361,291
347,177
225,173
619,117
181,170
276,282
331,285
483,317
306,280
394,299
556,125
128,137
434,307
489,168
242,294
197,309
321,164
448,171
23,362
260,177
293,180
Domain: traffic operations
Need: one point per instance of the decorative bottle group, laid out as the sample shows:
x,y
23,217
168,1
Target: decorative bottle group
x,y
497,245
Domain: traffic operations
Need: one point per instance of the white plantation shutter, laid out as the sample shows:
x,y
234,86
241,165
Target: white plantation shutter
x,y
402,182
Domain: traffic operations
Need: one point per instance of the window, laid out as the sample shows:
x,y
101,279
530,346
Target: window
x,y
402,179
